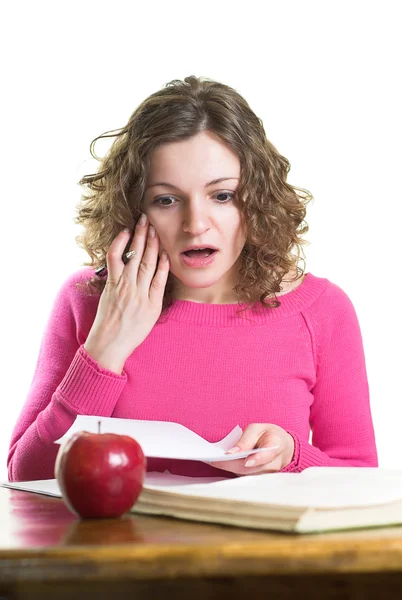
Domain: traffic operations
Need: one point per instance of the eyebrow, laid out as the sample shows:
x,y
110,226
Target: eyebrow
x,y
173,187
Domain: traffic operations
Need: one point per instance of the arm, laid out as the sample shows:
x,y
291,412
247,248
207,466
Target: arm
x,y
340,416
66,382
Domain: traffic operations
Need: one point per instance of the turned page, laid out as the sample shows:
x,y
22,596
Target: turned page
x,y
163,439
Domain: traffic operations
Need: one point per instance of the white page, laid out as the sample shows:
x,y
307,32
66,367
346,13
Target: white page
x,y
163,439
315,487
318,487
50,487
170,479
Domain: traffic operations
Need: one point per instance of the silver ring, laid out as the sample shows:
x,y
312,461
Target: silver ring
x,y
130,254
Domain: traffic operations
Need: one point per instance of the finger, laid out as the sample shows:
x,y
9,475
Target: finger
x,y
138,244
114,262
249,438
274,466
263,458
145,261
159,281
238,467
149,282
272,442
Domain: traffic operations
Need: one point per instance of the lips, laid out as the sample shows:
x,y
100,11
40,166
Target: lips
x,y
198,258
199,252
205,247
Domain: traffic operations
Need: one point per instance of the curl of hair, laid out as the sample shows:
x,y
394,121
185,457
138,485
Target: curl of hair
x,y
274,211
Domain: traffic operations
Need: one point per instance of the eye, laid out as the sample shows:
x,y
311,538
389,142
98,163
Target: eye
x,y
230,194
216,195
159,200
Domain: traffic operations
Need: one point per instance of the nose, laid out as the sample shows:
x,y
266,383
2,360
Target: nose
x,y
196,218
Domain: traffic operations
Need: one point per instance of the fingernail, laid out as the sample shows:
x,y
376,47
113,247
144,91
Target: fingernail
x,y
126,230
233,450
250,463
143,219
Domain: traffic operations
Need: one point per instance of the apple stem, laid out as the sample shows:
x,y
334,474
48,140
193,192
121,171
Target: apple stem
x,y
99,424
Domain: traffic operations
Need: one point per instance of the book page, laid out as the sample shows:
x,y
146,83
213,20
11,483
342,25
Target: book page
x,y
50,487
163,439
315,487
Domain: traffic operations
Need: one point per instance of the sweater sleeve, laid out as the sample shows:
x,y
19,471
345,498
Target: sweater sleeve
x,y
340,415
66,382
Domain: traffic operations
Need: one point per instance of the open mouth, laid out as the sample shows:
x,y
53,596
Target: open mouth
x,y
200,253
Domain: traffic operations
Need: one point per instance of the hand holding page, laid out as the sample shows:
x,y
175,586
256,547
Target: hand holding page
x,y
163,439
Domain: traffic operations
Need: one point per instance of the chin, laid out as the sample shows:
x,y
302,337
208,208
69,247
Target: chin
x,y
198,284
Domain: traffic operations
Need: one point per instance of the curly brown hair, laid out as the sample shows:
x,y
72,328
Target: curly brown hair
x,y
274,210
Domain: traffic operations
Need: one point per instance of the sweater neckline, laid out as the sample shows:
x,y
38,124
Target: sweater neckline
x,y
291,303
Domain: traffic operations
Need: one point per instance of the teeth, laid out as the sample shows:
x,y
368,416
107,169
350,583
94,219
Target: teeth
x,y
206,248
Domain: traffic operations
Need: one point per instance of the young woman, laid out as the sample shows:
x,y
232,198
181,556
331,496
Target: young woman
x,y
193,307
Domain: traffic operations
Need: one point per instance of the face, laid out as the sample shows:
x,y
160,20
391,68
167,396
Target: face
x,y
187,206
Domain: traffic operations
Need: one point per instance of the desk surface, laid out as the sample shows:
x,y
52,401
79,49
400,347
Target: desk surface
x,y
41,540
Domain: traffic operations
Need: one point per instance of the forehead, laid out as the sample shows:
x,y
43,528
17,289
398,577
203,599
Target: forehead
x,y
201,158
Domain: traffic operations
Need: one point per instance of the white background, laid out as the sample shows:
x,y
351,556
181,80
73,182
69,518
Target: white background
x,y
323,76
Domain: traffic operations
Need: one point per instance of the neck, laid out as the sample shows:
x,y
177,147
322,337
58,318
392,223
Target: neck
x,y
207,295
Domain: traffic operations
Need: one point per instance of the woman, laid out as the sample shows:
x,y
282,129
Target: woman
x,y
233,332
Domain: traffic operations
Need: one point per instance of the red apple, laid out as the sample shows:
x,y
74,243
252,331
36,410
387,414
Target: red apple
x,y
100,474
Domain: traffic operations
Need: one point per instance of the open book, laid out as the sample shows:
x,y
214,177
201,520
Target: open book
x,y
318,499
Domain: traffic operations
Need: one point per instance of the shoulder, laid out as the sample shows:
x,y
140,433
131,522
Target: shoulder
x,y
332,308
313,292
75,295
331,294
77,282
73,310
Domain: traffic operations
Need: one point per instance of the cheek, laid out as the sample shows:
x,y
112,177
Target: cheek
x,y
243,228
240,237
158,230
167,239
162,246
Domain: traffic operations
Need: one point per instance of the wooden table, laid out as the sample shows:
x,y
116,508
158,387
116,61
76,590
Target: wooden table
x,y
47,553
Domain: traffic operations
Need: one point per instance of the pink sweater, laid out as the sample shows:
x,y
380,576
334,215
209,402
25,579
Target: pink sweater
x,y
300,366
